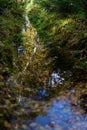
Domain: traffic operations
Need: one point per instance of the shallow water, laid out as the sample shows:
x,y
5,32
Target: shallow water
x,y
60,113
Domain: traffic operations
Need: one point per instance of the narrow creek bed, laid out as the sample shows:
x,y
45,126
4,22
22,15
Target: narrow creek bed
x,y
63,112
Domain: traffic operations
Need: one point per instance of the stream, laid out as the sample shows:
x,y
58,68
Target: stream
x,y
63,112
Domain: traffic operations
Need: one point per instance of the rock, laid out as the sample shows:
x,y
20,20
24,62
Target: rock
x,y
73,91
33,124
24,127
58,128
79,126
7,124
52,124
36,106
41,128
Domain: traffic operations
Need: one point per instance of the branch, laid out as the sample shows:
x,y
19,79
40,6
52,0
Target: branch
x,y
34,52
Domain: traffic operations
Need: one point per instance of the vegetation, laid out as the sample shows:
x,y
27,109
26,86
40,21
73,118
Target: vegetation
x,y
62,27
37,37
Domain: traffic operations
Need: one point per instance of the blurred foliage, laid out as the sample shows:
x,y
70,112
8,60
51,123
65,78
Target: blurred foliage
x,y
62,36
64,7
17,43
11,21
62,26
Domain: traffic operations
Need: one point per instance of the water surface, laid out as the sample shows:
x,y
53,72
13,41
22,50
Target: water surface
x,y
60,113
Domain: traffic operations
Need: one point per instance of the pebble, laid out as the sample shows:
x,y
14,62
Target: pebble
x,y
52,124
24,127
33,124
73,91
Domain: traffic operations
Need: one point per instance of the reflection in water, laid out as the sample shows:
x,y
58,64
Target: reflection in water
x,y
61,114
56,79
57,114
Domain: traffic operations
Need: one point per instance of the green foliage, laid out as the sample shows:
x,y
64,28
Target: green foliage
x,y
11,21
61,25
62,28
39,20
64,7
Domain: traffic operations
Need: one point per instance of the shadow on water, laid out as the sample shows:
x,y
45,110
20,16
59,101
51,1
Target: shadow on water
x,y
60,113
